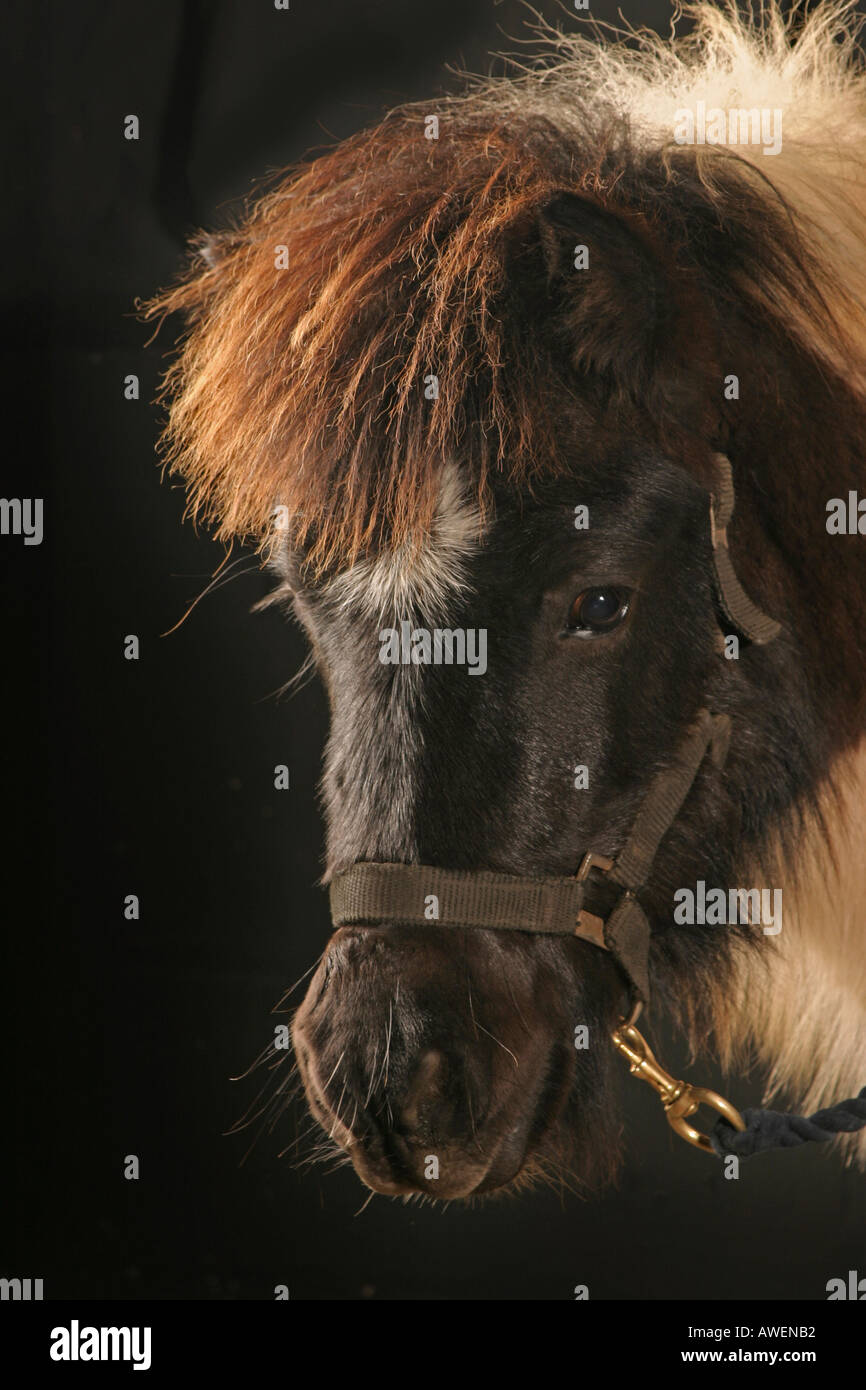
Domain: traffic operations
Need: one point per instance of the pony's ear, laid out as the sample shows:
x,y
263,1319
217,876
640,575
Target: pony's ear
x,y
607,288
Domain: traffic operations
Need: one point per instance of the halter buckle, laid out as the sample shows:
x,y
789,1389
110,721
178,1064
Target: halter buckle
x,y
588,924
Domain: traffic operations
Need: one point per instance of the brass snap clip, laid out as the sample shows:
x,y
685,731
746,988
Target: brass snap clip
x,y
679,1098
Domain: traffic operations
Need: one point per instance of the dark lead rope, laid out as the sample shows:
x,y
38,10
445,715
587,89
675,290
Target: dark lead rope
x,y
771,1129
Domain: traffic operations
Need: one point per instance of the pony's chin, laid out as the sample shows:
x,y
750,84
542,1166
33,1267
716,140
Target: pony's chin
x,y
447,1176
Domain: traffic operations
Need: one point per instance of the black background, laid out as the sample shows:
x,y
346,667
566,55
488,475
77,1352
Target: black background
x,y
155,777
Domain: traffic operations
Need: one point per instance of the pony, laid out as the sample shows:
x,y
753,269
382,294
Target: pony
x,y
472,371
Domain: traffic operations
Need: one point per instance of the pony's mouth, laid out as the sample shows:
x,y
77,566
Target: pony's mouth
x,y
398,1164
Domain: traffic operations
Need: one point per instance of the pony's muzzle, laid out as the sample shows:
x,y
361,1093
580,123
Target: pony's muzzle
x,y
400,1071
416,1139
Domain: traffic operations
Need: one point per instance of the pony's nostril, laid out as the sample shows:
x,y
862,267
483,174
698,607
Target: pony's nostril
x,y
425,1099
443,1102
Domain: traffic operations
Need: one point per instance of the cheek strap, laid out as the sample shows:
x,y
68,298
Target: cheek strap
x,y
732,597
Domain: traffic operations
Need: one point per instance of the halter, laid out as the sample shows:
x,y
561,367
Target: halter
x,y
600,902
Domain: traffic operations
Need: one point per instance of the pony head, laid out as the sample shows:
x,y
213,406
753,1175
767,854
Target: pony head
x,y
466,379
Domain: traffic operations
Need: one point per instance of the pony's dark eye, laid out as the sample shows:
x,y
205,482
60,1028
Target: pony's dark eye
x,y
597,611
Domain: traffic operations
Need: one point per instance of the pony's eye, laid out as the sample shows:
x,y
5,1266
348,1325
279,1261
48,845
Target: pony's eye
x,y
597,611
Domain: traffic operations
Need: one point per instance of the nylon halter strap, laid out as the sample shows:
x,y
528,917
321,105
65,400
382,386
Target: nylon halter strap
x,y
732,597
599,902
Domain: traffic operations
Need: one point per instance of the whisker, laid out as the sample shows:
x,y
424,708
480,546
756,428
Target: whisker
x,y
337,1111
366,1204
334,1072
289,992
388,1039
216,582
372,1078
499,1044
